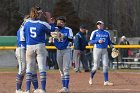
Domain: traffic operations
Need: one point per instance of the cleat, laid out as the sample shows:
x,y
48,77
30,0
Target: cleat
x,y
19,91
42,91
90,81
87,70
107,83
63,90
37,91
78,71
26,92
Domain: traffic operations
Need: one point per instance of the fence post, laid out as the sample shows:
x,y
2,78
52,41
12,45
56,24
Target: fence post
x,y
117,62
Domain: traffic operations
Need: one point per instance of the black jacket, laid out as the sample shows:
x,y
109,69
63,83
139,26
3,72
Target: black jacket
x,y
80,41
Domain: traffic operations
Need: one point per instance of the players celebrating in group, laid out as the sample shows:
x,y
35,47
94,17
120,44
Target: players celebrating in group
x,y
31,50
32,39
33,33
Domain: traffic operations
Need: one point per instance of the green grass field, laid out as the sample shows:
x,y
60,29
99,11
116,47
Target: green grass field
x,y
8,69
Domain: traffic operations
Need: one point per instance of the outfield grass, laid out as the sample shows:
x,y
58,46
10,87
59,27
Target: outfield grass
x,y
8,69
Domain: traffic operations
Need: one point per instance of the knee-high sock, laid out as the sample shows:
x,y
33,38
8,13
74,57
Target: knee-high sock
x,y
28,81
35,81
105,76
92,73
105,72
43,80
63,81
19,79
67,81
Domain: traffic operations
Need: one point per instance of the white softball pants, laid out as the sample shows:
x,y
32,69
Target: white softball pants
x,y
21,58
36,53
100,54
64,61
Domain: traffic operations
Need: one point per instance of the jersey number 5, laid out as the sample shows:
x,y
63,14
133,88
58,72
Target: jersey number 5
x,y
32,31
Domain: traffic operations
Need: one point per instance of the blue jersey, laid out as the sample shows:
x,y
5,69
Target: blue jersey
x,y
64,43
100,34
36,30
20,39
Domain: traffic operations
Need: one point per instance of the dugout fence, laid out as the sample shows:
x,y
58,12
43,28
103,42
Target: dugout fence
x,y
116,62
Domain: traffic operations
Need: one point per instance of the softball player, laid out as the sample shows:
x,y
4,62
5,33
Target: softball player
x,y
21,58
20,54
35,32
64,52
101,39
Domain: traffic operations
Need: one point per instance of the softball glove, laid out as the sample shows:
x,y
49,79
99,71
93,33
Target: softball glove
x,y
57,35
115,53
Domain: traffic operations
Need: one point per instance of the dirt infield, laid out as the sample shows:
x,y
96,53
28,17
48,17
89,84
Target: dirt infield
x,y
124,82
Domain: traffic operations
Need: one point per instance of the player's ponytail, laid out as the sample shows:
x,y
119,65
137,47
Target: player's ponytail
x,y
34,13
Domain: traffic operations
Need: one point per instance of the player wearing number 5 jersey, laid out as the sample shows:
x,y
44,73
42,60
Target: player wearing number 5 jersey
x,y
101,39
21,58
35,34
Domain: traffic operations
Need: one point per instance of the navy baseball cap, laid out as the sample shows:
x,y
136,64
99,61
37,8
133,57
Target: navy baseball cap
x,y
61,18
99,22
83,26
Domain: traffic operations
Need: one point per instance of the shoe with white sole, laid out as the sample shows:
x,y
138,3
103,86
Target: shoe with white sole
x,y
26,92
107,83
63,90
19,91
90,81
42,91
37,91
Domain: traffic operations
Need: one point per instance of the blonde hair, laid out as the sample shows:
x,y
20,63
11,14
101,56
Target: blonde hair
x,y
34,13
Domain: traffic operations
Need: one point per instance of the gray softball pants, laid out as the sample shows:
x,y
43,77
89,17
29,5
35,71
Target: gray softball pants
x,y
64,61
100,54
